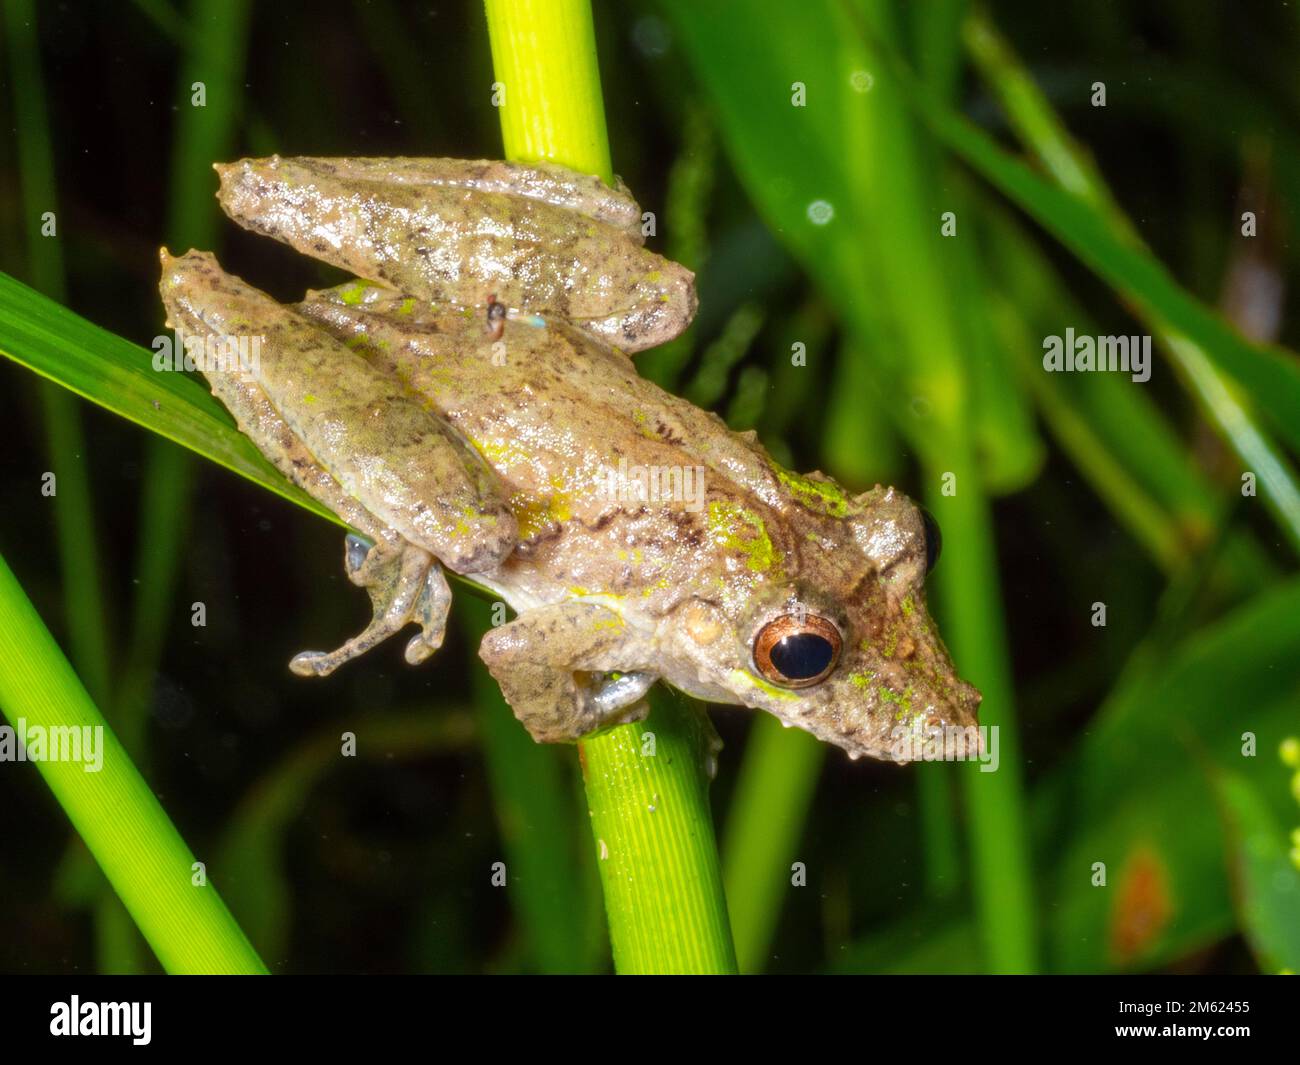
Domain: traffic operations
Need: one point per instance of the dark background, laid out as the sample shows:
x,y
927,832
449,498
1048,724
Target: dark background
x,y
381,864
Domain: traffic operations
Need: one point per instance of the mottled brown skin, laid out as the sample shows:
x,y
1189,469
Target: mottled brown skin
x,y
611,594
470,232
564,403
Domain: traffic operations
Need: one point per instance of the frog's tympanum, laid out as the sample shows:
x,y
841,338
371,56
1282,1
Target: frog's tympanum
x,y
470,405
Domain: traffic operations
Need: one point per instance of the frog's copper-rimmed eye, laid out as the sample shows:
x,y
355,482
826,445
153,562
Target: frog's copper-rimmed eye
x,y
933,539
796,650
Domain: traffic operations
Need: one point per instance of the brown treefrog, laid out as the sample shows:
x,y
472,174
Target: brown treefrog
x,y
469,404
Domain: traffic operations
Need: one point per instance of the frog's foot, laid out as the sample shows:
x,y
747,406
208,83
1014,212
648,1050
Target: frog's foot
x,y
405,585
569,669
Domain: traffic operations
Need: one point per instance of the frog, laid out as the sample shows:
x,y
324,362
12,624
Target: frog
x,y
469,404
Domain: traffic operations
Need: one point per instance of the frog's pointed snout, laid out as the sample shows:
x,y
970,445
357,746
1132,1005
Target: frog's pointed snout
x,y
965,705
943,727
954,708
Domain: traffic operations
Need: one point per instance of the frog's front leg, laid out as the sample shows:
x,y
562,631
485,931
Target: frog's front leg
x,y
405,584
569,669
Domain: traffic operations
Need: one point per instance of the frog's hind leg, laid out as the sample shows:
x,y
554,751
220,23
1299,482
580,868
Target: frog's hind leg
x,y
404,582
406,585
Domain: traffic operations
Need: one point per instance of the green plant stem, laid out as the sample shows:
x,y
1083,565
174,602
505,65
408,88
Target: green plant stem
x,y
113,810
648,798
647,788
544,56
765,822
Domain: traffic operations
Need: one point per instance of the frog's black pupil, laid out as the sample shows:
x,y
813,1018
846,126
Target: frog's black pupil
x,y
933,539
802,655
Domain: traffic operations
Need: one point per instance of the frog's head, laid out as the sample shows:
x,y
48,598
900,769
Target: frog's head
x,y
845,648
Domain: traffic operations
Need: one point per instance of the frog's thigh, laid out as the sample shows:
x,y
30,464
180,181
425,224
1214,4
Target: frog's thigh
x,y
405,585
258,419
549,662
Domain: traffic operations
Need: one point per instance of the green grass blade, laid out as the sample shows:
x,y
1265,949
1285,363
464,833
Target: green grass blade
x,y
533,801
1166,502
1202,364
1267,881
1144,772
1207,351
113,810
849,185
85,612
97,365
764,825
1271,374
253,844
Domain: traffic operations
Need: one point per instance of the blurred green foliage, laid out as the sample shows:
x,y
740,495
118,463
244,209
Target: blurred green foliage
x,y
1147,745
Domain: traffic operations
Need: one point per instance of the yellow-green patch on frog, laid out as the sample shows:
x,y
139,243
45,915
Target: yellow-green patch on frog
x,y
740,583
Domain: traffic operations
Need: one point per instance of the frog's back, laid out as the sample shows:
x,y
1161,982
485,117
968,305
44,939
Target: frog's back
x,y
598,462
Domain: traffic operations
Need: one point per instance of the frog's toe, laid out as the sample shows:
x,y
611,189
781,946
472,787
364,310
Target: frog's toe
x,y
418,649
431,613
323,663
405,585
312,664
